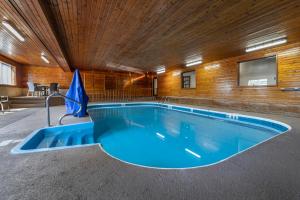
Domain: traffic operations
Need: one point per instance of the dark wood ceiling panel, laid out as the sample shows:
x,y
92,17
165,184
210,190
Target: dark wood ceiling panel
x,y
28,52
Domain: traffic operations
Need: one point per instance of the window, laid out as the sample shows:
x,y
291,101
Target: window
x,y
7,74
188,79
110,83
260,72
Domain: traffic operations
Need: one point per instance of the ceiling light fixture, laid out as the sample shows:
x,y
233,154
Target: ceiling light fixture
x,y
161,69
43,57
266,44
192,63
13,30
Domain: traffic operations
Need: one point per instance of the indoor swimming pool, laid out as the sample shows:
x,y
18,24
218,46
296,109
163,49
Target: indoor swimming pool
x,y
158,135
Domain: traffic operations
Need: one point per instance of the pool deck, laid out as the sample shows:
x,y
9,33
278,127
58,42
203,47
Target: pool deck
x,y
269,171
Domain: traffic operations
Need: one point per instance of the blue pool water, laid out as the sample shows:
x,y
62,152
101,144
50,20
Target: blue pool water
x,y
156,135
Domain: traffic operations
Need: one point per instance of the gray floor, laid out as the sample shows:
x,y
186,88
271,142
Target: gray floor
x,y
268,171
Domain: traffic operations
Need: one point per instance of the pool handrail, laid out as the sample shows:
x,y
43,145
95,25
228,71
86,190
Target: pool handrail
x,y
66,98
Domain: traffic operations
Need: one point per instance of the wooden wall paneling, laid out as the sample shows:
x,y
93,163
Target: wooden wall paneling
x,y
46,75
143,34
98,81
123,87
221,83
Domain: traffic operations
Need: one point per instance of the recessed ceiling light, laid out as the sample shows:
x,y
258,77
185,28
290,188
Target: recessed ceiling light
x,y
266,44
13,30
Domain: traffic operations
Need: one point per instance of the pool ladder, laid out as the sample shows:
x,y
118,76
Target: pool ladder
x,y
66,98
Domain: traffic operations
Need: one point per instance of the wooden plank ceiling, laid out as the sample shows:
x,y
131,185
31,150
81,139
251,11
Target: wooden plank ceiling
x,y
144,33
29,19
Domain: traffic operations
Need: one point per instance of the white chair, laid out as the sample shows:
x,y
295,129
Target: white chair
x,y
4,100
33,89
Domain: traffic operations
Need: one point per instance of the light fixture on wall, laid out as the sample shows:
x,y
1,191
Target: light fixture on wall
x,y
192,63
161,69
176,73
43,57
13,30
212,66
266,44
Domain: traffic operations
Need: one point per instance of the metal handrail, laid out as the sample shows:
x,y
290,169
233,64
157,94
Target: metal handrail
x,y
66,98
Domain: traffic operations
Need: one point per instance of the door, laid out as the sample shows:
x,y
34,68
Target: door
x,y
155,87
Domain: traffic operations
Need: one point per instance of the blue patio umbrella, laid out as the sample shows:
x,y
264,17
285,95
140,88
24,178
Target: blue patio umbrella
x,y
77,92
